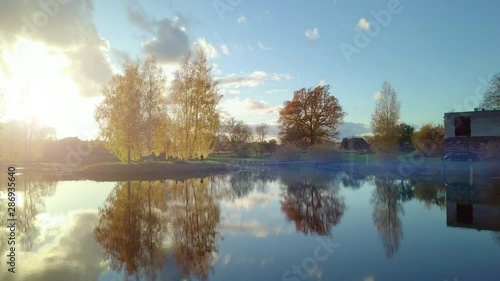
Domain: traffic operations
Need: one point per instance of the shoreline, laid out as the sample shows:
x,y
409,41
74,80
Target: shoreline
x,y
118,171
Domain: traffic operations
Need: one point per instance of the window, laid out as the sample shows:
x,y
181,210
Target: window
x,y
462,126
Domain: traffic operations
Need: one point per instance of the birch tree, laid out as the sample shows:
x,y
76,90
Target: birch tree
x,y
119,116
194,99
384,122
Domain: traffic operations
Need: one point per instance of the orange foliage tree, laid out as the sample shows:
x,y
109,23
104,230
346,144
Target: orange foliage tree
x,y
311,117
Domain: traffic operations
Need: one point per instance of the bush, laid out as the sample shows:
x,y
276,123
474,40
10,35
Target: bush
x,y
322,152
287,152
430,140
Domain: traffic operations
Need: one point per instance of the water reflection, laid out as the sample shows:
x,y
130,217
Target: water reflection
x,y
387,211
141,222
173,230
474,207
30,194
312,202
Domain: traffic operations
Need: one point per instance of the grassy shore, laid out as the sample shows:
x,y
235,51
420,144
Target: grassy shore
x,y
119,171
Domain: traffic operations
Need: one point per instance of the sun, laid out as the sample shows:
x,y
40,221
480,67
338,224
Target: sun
x,y
35,82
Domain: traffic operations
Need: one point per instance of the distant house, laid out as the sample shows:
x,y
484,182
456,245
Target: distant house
x,y
471,131
355,144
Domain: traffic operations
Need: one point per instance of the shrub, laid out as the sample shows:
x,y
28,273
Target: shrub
x,y
322,152
287,152
430,140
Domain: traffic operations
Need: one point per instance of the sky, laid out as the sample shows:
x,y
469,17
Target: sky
x,y
57,55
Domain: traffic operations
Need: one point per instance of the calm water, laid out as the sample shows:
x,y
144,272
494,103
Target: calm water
x,y
295,225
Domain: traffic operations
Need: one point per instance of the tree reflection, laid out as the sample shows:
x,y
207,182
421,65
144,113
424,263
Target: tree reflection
x,y
312,203
141,221
387,208
195,216
431,193
132,225
30,194
353,180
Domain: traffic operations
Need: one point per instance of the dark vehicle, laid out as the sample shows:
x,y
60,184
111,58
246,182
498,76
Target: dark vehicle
x,y
461,156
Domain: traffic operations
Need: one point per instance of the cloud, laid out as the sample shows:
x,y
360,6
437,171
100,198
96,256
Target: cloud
x,y
322,82
261,46
363,24
170,42
241,19
253,79
67,29
55,256
208,48
312,34
378,96
275,91
225,49
249,110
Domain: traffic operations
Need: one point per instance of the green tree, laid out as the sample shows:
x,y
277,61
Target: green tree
x,y
491,98
120,116
195,118
311,117
385,123
405,136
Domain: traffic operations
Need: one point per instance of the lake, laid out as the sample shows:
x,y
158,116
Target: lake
x,y
301,224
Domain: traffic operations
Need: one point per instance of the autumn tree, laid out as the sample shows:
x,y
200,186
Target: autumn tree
x,y
385,123
311,117
429,139
132,117
120,116
154,108
194,98
491,98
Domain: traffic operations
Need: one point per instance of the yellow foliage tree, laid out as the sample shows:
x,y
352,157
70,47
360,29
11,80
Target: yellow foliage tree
x,y
385,123
194,99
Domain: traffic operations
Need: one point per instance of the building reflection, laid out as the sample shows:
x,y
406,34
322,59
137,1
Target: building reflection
x,y
474,206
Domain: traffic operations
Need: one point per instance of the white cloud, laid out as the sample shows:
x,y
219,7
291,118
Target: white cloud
x,y
70,32
378,96
253,79
249,110
225,49
261,46
322,82
363,24
242,19
208,48
312,34
275,91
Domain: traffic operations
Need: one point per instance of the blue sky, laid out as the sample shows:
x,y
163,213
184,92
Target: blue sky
x,y
435,54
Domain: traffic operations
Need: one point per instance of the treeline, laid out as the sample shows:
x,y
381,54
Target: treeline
x,y
139,119
28,142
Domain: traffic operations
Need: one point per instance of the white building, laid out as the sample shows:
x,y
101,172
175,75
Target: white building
x,y
472,130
